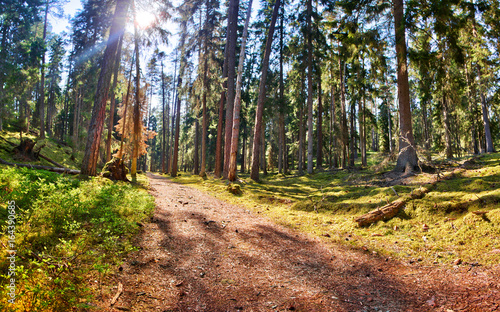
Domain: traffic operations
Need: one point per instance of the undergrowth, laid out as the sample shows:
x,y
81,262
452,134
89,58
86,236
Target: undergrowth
x,y
440,228
69,234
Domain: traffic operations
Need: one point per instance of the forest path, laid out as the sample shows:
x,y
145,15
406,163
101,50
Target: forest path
x,y
202,254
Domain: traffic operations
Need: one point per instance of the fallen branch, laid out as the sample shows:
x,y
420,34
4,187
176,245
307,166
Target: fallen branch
x,y
118,293
53,169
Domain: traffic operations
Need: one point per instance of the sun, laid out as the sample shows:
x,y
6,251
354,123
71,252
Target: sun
x,y
145,19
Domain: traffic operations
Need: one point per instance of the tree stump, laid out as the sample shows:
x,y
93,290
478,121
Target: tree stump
x,y
24,150
115,170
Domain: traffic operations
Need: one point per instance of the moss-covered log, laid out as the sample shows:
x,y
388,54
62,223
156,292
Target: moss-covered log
x,y
392,209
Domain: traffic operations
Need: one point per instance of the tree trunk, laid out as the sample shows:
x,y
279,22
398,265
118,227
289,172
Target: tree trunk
x,y
112,103
309,90
262,96
407,158
196,160
204,136
42,76
182,64
232,36
137,106
319,152
237,102
344,114
362,134
163,121
447,130
282,132
97,121
129,84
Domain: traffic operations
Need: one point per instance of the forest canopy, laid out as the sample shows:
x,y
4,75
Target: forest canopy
x,y
171,86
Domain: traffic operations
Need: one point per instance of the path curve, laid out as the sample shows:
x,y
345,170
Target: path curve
x,y
202,254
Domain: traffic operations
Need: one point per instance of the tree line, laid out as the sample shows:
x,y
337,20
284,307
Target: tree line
x,y
300,85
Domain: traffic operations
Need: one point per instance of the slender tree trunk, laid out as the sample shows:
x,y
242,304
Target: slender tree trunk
x,y
232,34
196,158
42,76
447,130
97,121
237,102
407,158
333,140
362,136
137,106
113,100
262,96
300,157
309,90
163,121
170,135
319,152
205,114
282,136
124,117
352,141
344,115
175,157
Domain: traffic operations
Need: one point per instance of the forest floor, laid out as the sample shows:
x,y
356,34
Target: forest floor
x,y
199,253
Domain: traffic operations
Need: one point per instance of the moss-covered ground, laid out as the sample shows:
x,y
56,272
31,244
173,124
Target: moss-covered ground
x,y
440,228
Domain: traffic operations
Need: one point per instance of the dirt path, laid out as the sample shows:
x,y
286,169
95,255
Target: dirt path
x,y
202,254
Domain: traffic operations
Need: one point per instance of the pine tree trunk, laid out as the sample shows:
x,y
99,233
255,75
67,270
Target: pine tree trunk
x,y
309,90
237,102
262,96
205,118
196,160
182,65
97,121
42,76
447,130
232,36
112,103
344,114
124,117
137,107
407,158
319,151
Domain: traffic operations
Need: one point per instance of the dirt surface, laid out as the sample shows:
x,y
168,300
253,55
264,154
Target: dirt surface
x,y
201,254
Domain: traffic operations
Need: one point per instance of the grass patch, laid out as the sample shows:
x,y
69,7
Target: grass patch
x,y
438,228
69,234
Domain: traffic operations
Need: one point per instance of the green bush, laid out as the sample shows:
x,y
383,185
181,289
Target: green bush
x,y
67,232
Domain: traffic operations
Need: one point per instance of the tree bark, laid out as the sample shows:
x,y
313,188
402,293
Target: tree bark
x,y
319,152
97,121
254,174
232,36
137,106
42,78
309,90
407,158
237,102
112,103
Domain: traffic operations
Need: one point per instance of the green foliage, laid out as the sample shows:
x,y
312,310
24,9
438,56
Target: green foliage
x,y
68,232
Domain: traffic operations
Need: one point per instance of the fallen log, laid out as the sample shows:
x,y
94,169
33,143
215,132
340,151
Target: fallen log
x,y
383,213
53,169
392,209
